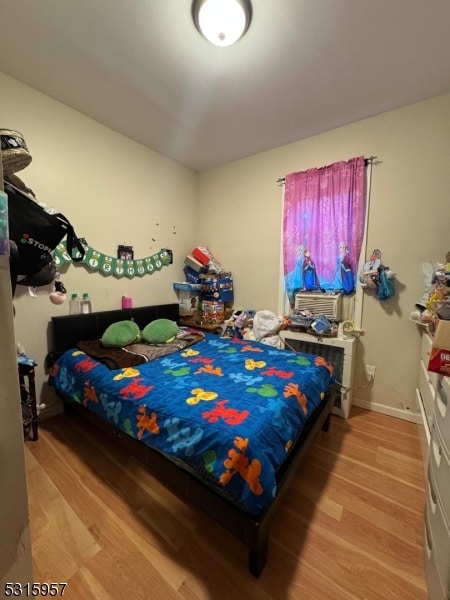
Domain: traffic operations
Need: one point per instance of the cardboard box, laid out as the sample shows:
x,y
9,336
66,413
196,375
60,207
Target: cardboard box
x,y
188,298
191,275
218,288
195,264
439,361
213,312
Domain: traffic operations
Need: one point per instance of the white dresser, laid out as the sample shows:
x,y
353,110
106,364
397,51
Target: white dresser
x,y
426,393
437,509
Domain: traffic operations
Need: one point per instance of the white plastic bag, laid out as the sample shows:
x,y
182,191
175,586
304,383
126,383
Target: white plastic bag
x,y
266,326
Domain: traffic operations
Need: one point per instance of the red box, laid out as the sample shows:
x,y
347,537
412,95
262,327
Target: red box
x,y
439,361
202,254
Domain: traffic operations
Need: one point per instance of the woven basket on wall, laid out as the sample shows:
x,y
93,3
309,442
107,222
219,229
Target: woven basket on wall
x,y
15,154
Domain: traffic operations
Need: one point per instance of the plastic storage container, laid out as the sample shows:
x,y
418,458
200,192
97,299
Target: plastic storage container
x,y
74,305
86,304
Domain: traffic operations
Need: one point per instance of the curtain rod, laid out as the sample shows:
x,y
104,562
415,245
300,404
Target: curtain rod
x,y
371,160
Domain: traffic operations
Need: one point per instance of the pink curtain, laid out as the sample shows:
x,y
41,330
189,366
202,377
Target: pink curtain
x,y
323,227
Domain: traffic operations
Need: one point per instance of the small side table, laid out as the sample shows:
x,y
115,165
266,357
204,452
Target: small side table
x,y
333,348
28,396
201,326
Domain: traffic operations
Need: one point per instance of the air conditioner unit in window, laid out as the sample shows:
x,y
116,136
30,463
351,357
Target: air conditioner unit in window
x,y
329,305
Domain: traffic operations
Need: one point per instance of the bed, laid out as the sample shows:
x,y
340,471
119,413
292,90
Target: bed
x,y
222,423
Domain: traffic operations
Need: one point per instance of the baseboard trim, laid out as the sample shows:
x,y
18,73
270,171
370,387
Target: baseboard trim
x,y
399,413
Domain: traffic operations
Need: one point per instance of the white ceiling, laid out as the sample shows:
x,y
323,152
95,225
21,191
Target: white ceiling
x,y
304,67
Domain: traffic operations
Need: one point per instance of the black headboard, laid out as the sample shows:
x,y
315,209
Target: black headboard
x,y
67,330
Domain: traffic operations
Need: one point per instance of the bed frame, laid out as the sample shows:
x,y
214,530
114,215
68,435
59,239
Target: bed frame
x,y
252,531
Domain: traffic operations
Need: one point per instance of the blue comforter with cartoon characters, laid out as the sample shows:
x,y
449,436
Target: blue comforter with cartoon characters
x,y
228,409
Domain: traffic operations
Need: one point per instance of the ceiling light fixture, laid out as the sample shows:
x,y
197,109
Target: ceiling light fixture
x,y
222,22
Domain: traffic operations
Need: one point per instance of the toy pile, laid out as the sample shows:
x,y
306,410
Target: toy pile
x,y
308,321
238,325
206,296
435,304
261,326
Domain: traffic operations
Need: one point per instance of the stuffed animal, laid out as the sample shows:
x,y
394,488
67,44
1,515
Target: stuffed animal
x,y
59,295
236,324
376,276
369,275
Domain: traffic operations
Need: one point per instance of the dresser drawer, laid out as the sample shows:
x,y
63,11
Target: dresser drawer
x,y
435,588
425,352
424,433
439,467
439,534
442,409
427,391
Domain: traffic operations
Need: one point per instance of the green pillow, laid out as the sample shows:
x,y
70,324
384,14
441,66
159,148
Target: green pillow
x,y
160,331
120,334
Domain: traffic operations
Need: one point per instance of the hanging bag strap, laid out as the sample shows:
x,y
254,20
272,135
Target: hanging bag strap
x,y
75,248
13,262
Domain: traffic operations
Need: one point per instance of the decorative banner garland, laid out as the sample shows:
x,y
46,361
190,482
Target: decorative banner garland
x,y
115,266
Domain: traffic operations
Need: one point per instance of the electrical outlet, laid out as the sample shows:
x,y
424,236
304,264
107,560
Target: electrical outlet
x,y
370,372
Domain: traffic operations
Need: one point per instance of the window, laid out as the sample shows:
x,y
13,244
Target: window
x,y
323,227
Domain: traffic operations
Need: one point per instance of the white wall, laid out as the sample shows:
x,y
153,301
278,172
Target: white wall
x,y
114,191
240,220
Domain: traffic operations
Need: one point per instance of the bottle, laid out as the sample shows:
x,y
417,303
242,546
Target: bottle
x,y
85,304
127,302
74,305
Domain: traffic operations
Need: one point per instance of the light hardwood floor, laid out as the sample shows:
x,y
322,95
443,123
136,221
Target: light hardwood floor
x,y
350,528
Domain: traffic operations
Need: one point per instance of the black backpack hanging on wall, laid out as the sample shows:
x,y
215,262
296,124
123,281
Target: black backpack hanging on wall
x,y
36,234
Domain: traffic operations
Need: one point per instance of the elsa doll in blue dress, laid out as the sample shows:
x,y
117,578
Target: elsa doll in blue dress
x,y
344,279
294,279
310,277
